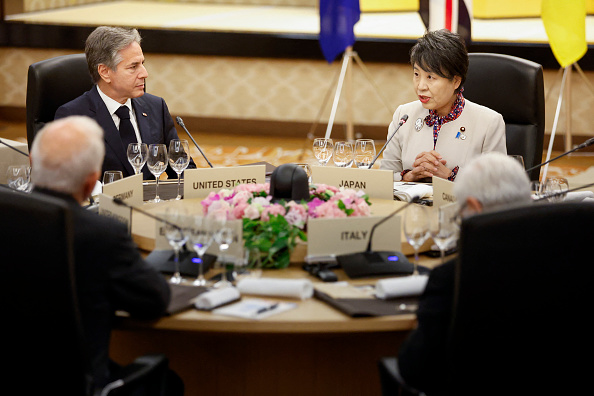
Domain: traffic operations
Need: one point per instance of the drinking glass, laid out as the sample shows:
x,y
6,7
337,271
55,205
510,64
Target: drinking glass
x,y
111,176
344,154
554,188
157,163
537,189
364,152
179,158
224,238
137,156
520,159
201,239
444,229
177,231
18,177
416,229
322,149
307,170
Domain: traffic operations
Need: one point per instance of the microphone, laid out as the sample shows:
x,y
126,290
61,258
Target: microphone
x,y
587,143
180,122
400,123
14,148
370,263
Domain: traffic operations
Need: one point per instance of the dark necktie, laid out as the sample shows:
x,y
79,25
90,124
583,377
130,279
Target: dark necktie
x,y
127,133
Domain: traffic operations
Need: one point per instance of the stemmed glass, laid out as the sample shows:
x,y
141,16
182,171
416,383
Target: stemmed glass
x,y
444,229
111,176
201,239
18,177
137,156
364,152
177,232
179,158
554,188
343,154
322,149
224,238
157,163
416,229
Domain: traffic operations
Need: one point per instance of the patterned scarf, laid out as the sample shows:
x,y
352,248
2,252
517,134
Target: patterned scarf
x,y
436,121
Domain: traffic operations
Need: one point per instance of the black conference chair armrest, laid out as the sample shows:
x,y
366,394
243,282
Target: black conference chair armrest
x,y
144,368
391,382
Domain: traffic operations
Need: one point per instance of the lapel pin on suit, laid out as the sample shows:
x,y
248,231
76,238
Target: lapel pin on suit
x,y
460,134
144,114
419,124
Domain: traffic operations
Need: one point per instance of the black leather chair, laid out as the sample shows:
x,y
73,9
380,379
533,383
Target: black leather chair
x,y
513,87
50,84
523,294
43,344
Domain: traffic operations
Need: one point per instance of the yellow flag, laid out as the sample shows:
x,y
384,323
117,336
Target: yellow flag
x,y
565,24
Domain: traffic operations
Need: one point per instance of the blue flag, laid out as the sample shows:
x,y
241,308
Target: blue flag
x,y
337,20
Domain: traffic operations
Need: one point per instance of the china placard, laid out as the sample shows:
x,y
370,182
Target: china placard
x,y
333,237
128,189
198,183
443,192
377,183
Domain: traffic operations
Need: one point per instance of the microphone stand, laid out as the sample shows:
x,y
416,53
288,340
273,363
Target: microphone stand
x,y
587,143
180,122
402,121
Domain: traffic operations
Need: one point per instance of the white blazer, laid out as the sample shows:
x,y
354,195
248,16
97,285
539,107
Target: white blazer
x,y
477,130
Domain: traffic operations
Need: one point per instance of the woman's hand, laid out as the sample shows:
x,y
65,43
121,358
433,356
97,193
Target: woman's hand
x,y
428,164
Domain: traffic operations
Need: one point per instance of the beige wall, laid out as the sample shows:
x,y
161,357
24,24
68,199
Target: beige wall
x,y
276,90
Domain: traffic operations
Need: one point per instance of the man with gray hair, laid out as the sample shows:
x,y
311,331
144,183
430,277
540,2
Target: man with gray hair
x,y
489,182
111,276
118,101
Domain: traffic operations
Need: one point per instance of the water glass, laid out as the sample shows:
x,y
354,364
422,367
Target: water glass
x,y
416,229
177,232
179,159
137,155
444,227
224,238
201,239
555,187
323,149
111,176
344,154
364,152
157,163
18,177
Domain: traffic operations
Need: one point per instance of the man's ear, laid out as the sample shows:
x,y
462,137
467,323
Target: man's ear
x,y
104,73
89,185
474,204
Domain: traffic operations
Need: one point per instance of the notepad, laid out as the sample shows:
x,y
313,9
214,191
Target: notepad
x,y
254,308
405,191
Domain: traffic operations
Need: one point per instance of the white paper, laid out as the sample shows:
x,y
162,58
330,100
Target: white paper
x,y
295,288
217,297
252,308
405,191
401,287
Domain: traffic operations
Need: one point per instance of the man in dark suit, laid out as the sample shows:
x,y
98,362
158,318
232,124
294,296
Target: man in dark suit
x,y
489,182
110,273
116,64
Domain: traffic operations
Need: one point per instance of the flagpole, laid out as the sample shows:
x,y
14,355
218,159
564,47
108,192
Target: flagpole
x,y
345,64
557,111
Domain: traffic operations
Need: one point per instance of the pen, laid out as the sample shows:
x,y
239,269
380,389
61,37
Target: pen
x,y
266,309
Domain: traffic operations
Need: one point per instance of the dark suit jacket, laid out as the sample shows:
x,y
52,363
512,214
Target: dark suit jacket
x,y
154,123
110,276
422,357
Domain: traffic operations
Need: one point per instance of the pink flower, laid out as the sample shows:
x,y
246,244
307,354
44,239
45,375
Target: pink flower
x,y
274,209
296,214
329,210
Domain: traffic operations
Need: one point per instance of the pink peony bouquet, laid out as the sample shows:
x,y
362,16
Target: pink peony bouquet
x,y
274,227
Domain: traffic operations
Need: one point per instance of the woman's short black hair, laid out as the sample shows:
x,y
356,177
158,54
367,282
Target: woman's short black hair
x,y
443,53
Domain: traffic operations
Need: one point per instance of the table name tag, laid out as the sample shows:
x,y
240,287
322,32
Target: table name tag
x,y
377,183
109,208
443,192
128,189
326,237
198,183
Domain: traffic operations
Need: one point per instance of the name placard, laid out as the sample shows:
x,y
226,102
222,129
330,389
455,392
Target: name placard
x,y
377,183
198,183
443,192
128,189
234,253
329,237
110,209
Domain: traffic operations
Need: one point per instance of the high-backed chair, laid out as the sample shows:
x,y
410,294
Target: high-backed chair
x,y
43,345
513,87
523,292
52,83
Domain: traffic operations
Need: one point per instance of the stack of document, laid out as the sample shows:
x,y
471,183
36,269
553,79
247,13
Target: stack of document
x,y
405,191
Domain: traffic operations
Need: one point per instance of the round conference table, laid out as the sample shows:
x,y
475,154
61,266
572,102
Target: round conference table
x,y
313,349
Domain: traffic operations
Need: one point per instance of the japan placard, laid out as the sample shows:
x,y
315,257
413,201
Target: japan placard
x,y
198,183
377,183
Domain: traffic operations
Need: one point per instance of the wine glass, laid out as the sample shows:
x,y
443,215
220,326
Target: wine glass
x,y
177,232
344,154
554,188
137,155
111,176
157,163
224,238
322,149
416,229
179,158
201,239
18,177
364,152
444,229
